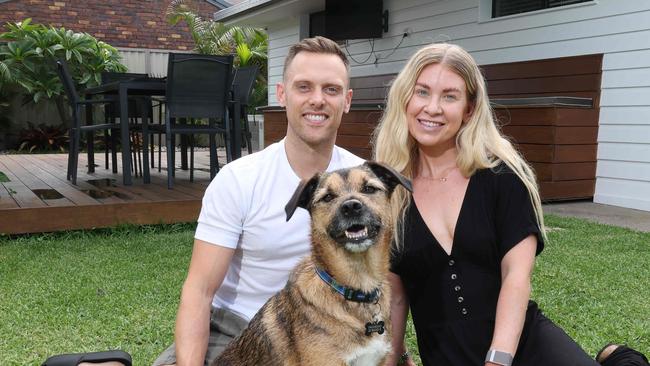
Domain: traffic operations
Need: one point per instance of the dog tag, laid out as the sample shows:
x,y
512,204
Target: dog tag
x,y
374,327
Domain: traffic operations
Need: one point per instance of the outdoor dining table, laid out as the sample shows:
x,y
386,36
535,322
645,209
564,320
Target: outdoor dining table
x,y
150,86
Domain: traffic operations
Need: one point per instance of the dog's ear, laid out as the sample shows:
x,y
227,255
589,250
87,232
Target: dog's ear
x,y
302,196
389,176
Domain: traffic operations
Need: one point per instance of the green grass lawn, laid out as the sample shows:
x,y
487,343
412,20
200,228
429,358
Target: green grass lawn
x,y
105,289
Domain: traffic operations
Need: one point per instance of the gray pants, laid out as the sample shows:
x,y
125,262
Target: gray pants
x,y
224,327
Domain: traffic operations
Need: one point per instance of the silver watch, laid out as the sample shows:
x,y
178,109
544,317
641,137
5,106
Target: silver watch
x,y
498,357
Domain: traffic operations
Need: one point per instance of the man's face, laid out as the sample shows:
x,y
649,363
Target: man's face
x,y
315,94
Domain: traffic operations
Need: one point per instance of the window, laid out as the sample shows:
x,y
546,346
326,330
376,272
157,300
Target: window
x,y
508,7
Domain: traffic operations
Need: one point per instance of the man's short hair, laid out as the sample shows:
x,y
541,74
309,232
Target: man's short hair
x,y
316,44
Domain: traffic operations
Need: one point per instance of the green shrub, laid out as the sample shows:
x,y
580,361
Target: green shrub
x,y
27,60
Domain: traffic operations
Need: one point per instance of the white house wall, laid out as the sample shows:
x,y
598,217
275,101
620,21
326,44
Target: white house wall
x,y
623,170
281,36
619,29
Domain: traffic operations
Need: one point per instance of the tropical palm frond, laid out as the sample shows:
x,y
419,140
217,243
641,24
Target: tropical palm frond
x,y
5,72
250,45
176,11
244,54
179,10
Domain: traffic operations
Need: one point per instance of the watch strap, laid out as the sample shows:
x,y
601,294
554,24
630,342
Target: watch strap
x,y
499,357
403,358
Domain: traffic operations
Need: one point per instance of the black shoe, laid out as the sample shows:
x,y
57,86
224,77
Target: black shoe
x,y
75,359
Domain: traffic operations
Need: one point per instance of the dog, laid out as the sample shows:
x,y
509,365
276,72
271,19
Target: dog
x,y
335,307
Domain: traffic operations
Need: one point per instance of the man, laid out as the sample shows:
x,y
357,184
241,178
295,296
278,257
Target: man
x,y
243,249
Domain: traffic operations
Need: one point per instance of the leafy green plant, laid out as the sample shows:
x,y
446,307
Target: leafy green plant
x,y
43,138
28,60
249,45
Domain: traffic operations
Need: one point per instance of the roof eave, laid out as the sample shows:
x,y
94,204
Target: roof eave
x,y
262,13
221,4
243,8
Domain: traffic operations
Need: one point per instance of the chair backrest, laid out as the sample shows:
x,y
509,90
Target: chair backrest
x,y
198,86
243,83
66,80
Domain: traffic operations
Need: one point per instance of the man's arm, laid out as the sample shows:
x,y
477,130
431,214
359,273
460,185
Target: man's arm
x,y
207,270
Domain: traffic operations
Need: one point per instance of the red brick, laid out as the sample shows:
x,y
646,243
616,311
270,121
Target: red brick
x,y
107,19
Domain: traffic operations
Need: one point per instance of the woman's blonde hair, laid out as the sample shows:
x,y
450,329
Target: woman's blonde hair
x,y
479,141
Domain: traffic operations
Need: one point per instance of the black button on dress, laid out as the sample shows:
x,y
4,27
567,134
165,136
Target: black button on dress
x,y
453,297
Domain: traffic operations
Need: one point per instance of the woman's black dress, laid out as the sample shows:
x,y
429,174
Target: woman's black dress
x,y
453,297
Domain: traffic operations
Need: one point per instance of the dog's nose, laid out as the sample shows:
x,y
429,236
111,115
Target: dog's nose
x,y
351,207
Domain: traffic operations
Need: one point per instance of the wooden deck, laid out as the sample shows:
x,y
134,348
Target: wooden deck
x,y
38,198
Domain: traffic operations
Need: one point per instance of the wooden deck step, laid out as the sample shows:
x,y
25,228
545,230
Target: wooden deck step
x,y
98,200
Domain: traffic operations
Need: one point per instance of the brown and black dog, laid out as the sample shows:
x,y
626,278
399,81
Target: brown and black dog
x,y
335,307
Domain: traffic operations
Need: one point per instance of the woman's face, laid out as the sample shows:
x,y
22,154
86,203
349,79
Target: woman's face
x,y
437,108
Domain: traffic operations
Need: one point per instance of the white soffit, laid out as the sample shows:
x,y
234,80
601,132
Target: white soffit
x,y
260,13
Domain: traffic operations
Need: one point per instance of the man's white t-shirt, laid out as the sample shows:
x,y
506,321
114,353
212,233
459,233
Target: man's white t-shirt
x,y
243,209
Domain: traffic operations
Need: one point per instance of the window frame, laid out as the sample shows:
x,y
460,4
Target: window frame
x,y
544,6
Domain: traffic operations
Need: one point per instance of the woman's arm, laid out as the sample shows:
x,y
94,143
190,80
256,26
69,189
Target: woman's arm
x,y
399,308
516,270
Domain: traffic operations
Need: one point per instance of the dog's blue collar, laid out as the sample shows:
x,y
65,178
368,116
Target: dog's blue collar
x,y
348,293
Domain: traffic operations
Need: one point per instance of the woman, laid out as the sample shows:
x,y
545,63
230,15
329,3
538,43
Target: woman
x,y
467,238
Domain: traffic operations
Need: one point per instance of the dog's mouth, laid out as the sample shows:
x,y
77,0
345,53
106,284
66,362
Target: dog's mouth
x,y
356,237
356,232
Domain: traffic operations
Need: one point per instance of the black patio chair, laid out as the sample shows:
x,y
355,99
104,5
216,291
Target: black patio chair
x,y
76,104
242,87
198,87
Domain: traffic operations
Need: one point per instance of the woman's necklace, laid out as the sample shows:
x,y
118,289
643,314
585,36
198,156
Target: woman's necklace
x,y
442,178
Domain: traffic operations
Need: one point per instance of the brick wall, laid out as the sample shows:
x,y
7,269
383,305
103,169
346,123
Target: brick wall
x,y
120,23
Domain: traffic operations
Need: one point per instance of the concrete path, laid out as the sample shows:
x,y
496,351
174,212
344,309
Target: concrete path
x,y
604,214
